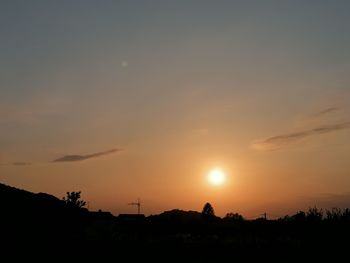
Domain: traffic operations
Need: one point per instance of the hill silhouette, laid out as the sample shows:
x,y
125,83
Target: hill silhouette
x,y
30,221
177,215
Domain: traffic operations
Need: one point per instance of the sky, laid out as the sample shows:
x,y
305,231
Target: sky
x,y
128,99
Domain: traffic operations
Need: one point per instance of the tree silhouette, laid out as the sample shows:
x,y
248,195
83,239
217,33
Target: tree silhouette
x,y
299,216
73,199
208,211
233,217
314,214
334,214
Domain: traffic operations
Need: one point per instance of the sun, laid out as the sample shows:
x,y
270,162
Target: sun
x,y
216,177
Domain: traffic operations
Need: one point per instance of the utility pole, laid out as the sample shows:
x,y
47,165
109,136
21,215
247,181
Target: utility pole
x,y
138,204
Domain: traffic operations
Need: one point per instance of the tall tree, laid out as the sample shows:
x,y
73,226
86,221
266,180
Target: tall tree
x,y
73,199
208,211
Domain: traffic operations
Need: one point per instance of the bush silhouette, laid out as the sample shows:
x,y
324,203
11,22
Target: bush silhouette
x,y
73,200
299,216
334,214
346,214
314,214
234,217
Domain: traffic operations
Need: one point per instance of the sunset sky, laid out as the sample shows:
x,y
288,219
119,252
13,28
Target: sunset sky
x,y
128,99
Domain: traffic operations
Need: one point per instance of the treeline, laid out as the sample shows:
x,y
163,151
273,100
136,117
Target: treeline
x,y
312,214
318,214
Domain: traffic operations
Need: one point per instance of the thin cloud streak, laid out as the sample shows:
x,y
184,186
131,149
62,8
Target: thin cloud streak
x,y
77,158
325,112
21,163
279,141
16,164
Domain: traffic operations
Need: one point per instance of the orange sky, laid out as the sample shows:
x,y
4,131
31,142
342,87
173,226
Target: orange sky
x,y
260,91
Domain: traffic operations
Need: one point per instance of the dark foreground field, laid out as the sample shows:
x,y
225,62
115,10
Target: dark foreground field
x,y
41,226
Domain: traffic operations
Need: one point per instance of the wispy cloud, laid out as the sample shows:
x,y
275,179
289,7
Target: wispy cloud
x,y
325,112
16,164
76,158
278,141
21,163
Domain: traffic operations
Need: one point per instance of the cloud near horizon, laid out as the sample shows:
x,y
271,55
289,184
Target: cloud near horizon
x,y
77,158
279,141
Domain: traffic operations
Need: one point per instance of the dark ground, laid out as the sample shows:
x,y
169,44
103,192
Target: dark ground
x,y
40,226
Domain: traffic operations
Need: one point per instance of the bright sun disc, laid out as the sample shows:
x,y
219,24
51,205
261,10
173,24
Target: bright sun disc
x,y
216,177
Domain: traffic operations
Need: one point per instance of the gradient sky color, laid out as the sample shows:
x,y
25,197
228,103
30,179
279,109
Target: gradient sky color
x,y
143,98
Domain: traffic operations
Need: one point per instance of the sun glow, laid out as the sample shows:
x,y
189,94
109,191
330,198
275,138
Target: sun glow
x,y
216,176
